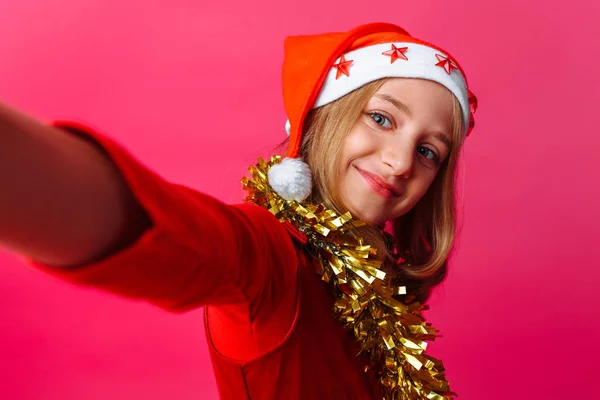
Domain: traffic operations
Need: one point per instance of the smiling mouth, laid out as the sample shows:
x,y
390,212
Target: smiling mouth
x,y
378,185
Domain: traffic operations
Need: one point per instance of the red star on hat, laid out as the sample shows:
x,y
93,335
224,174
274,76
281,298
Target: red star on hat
x,y
396,53
342,67
446,63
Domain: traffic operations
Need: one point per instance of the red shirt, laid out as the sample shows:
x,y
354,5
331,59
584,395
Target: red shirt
x,y
272,334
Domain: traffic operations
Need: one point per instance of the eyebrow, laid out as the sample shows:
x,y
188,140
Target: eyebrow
x,y
404,108
444,139
395,102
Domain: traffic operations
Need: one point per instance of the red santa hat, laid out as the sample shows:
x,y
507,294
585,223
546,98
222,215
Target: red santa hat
x,y
319,69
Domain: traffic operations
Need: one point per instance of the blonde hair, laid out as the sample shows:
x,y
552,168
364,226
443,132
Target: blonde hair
x,y
425,235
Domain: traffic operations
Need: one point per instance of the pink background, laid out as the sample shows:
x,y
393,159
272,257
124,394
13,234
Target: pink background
x,y
192,88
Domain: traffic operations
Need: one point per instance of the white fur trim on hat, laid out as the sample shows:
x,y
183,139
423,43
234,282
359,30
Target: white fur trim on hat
x,y
370,64
288,127
291,179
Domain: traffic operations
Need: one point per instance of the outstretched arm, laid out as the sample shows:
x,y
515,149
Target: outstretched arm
x,y
63,202
80,207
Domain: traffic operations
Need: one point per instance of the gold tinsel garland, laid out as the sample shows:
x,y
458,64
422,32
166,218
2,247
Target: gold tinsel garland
x,y
391,331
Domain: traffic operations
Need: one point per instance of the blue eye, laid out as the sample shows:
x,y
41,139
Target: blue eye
x,y
381,120
428,154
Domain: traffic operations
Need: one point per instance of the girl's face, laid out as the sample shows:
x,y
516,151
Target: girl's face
x,y
394,151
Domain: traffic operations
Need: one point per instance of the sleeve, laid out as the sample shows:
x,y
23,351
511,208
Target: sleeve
x,y
198,250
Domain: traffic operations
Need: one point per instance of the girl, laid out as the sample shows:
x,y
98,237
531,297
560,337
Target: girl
x,y
313,288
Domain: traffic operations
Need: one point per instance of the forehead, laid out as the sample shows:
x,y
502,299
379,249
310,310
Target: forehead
x,y
414,88
422,97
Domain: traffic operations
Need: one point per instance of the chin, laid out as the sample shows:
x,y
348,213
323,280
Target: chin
x,y
374,219
365,209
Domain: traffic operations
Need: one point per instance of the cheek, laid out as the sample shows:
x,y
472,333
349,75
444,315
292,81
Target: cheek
x,y
358,143
422,184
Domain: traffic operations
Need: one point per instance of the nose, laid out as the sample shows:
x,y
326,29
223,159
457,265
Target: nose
x,y
399,160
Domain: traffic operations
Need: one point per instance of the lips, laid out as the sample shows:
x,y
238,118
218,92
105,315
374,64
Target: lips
x,y
379,184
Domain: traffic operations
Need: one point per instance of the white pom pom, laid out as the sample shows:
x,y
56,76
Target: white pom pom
x,y
291,179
